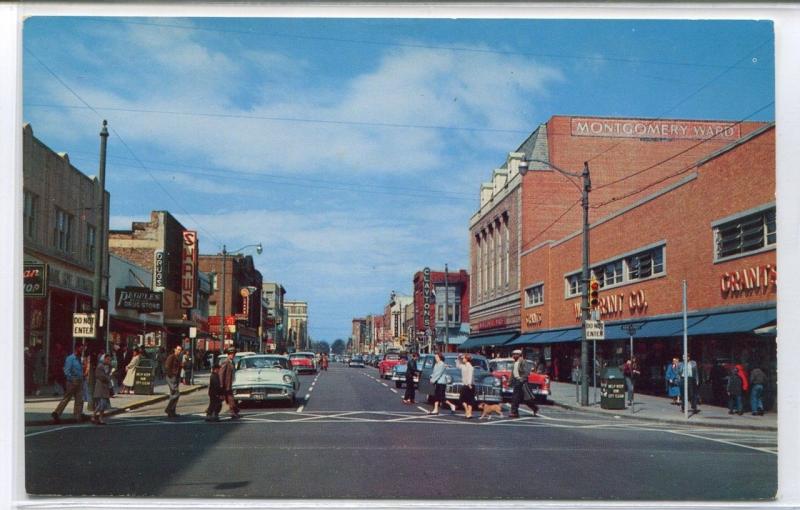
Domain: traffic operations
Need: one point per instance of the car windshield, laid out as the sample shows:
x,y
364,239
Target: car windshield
x,y
264,362
392,357
357,358
301,356
501,365
451,362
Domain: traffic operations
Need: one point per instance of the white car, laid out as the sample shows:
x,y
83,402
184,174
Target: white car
x,y
265,377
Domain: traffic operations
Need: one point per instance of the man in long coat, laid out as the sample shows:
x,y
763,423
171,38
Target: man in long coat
x,y
226,375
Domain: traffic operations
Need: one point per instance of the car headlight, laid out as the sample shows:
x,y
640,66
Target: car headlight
x,y
287,379
496,381
448,379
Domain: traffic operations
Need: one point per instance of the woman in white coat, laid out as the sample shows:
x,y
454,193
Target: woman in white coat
x,y
130,371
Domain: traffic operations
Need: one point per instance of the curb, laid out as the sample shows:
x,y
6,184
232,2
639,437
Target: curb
x,y
118,410
669,421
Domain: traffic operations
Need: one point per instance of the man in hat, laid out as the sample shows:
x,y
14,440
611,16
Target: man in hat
x,y
172,372
519,377
226,374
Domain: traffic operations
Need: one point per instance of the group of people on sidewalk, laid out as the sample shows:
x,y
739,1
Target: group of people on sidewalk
x,y
737,384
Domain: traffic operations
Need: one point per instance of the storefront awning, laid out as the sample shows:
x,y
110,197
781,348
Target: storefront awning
x,y
653,328
548,337
733,322
475,342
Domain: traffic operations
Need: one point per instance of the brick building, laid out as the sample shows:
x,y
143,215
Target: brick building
x,y
297,333
433,329
710,222
359,335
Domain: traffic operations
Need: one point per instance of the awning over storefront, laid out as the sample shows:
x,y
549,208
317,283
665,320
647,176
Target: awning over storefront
x,y
475,342
548,337
733,322
653,328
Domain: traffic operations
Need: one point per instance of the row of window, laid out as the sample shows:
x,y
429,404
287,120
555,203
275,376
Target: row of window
x,y
742,235
63,233
492,253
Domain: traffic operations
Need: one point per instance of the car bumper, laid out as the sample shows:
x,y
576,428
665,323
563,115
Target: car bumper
x,y
483,393
359,365
260,393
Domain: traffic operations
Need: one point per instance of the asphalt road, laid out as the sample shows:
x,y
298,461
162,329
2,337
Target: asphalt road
x,y
352,437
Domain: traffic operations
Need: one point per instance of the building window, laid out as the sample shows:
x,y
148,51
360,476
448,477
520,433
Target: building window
x,y
573,285
646,264
746,234
478,266
499,256
62,231
91,242
534,295
29,214
610,274
507,248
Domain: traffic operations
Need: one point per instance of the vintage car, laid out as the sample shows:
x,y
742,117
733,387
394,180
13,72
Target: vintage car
x,y
386,363
356,361
399,374
501,368
222,358
265,377
487,387
303,362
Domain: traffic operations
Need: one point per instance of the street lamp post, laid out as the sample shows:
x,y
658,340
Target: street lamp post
x,y
585,189
259,249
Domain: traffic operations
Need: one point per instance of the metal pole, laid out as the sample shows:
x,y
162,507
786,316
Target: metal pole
x,y
100,217
685,358
632,366
446,312
222,303
587,186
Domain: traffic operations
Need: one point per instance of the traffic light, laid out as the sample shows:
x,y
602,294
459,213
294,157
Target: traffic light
x,y
594,291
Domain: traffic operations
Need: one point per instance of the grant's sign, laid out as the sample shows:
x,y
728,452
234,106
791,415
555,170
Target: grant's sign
x,y
655,128
188,268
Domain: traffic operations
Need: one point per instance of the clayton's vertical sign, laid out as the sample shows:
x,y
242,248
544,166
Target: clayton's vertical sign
x,y
188,268
426,297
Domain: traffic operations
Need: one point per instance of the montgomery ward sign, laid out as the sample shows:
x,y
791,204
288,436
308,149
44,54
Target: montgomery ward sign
x,y
140,299
655,128
188,268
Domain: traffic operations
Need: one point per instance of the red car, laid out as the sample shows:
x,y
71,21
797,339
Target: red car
x,y
303,362
385,365
501,368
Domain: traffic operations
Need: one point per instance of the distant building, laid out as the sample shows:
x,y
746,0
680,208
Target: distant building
x,y
297,339
359,335
275,319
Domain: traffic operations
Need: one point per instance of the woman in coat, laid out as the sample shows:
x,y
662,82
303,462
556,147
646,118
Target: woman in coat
x,y
130,371
673,381
734,389
438,380
467,396
102,390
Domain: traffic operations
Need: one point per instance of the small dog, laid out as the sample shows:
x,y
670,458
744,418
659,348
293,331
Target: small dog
x,y
488,409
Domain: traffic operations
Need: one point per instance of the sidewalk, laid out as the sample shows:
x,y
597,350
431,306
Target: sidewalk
x,y
38,408
661,410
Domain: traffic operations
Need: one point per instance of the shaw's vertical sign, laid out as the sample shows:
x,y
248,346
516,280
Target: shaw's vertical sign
x,y
189,269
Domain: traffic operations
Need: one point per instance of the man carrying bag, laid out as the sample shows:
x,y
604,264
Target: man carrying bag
x,y
519,382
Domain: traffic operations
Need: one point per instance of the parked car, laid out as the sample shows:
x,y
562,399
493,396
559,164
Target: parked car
x,y
387,361
265,377
488,388
356,361
399,374
501,368
303,362
236,357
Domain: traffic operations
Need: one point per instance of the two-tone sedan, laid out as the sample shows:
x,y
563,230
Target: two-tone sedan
x,y
303,362
399,374
538,383
265,377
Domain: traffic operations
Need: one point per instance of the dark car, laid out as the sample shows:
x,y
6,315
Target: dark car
x,y
356,361
488,388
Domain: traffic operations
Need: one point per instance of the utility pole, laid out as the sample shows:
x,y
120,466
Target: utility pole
x,y
100,216
586,188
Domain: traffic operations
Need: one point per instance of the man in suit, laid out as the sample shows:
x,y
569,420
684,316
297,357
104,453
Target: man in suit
x,y
226,374
694,377
519,377
172,372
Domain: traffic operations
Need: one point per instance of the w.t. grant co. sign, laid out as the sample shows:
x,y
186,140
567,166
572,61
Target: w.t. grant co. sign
x,y
655,128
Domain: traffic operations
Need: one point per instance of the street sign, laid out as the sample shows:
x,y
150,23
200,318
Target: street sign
x,y
83,325
595,330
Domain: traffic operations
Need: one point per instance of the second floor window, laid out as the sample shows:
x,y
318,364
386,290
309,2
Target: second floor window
x,y
29,214
62,231
746,234
91,242
534,295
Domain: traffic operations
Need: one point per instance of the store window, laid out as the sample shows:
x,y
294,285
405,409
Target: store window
x,y
746,234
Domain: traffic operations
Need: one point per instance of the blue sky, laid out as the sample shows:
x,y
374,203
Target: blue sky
x,y
353,149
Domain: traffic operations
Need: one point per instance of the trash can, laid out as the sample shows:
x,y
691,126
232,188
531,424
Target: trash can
x,y
144,377
612,389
